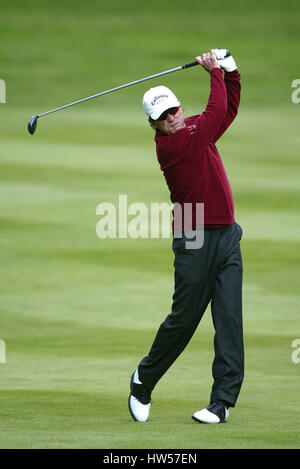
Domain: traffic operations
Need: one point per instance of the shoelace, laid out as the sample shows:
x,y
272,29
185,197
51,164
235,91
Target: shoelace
x,y
142,394
216,408
213,406
145,395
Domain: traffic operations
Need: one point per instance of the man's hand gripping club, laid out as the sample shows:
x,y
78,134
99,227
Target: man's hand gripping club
x,y
217,58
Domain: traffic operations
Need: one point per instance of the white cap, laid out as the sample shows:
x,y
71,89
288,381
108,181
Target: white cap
x,y
157,100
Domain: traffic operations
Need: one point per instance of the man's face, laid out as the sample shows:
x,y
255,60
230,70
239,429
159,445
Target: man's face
x,y
170,121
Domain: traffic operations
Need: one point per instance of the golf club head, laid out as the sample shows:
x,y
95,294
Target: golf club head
x,y
32,124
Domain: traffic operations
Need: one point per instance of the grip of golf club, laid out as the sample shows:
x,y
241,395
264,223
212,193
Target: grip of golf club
x,y
191,64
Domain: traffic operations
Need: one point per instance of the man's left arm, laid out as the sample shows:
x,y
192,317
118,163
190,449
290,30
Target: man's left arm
x,y
233,88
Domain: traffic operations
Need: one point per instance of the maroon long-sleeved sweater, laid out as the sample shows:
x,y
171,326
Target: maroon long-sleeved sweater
x,y
190,161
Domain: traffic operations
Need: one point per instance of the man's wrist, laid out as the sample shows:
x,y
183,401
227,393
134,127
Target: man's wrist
x,y
215,68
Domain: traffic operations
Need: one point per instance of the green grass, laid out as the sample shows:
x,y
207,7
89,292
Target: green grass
x,y
77,312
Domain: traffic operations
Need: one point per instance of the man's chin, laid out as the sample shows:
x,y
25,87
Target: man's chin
x,y
174,128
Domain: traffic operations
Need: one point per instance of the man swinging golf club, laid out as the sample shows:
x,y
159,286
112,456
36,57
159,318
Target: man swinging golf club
x,y
187,154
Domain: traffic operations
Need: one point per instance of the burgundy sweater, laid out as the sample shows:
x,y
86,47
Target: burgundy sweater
x,y
190,161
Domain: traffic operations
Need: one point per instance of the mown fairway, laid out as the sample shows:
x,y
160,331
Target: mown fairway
x,y
77,312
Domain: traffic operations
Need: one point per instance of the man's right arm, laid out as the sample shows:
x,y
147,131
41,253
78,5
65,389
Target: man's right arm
x,y
209,122
233,88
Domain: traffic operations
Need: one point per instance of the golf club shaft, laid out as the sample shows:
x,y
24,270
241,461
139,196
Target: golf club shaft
x,y
181,67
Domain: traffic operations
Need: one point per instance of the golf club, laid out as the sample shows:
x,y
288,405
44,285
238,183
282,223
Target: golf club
x,y
33,121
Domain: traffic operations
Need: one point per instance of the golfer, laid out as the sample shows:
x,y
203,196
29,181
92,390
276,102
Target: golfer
x,y
210,273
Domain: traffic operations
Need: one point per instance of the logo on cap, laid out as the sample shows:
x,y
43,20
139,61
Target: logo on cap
x,y
158,97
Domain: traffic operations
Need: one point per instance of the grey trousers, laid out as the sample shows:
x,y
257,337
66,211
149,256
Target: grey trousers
x,y
212,273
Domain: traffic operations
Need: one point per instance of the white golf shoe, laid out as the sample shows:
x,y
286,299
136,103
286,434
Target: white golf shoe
x,y
216,412
139,400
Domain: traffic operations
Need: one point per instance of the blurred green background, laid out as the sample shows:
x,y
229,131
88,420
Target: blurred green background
x,y
77,312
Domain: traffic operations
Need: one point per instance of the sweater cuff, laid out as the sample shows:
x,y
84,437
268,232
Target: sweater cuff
x,y
216,70
234,74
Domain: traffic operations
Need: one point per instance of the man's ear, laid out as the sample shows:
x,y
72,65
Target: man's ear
x,y
152,123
